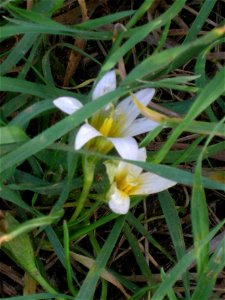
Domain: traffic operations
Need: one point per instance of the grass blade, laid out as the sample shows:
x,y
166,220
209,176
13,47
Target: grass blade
x,y
89,284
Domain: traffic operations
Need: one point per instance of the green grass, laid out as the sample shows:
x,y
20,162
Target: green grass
x,y
162,248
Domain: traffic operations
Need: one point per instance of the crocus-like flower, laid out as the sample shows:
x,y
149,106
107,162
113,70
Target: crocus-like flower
x,y
127,179
113,125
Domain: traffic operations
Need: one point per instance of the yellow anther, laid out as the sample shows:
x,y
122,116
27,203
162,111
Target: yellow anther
x,y
106,126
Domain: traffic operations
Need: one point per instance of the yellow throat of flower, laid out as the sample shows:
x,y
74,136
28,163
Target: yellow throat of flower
x,y
106,126
109,122
127,183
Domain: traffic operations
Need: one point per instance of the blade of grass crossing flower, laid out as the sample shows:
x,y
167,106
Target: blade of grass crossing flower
x,y
178,270
200,19
138,254
88,287
166,171
208,278
173,222
207,96
62,127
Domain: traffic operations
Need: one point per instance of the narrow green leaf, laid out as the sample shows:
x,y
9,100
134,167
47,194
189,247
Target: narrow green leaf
x,y
56,28
200,222
139,34
12,134
9,195
8,84
208,278
88,287
138,254
29,225
67,259
36,109
167,58
205,98
134,222
21,250
17,53
139,13
173,222
201,18
181,267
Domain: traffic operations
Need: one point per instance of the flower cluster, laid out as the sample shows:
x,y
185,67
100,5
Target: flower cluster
x,y
116,126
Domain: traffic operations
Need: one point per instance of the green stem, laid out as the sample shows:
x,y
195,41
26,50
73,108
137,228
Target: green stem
x,y
88,170
41,280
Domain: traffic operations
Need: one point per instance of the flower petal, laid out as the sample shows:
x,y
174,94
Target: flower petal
x,y
139,126
119,202
151,183
67,104
84,135
111,169
127,147
128,107
131,169
106,84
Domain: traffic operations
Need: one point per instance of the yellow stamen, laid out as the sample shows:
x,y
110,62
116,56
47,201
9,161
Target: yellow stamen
x,y
125,185
106,126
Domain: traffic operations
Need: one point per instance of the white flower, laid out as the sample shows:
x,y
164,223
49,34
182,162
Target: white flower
x,y
127,179
111,126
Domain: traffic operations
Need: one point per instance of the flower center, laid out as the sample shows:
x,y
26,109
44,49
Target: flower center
x,y
126,183
109,122
106,126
